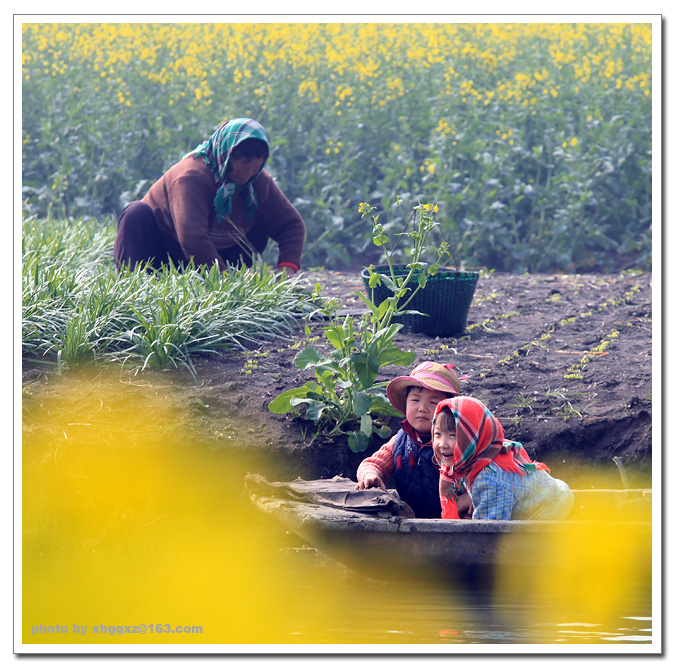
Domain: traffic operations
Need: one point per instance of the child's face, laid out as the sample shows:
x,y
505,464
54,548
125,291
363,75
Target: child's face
x,y
420,409
444,440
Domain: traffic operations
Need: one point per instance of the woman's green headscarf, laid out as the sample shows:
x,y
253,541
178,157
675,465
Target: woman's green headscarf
x,y
216,151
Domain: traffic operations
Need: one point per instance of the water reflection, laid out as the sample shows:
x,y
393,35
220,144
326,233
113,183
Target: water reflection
x,y
412,613
132,519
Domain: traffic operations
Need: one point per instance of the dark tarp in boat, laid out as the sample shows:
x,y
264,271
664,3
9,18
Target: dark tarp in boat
x,y
338,492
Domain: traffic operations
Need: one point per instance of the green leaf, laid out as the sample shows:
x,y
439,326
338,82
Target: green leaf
x,y
327,379
366,368
366,425
315,409
282,403
380,406
357,441
385,336
388,282
361,404
296,401
370,305
395,356
310,357
382,309
336,337
384,432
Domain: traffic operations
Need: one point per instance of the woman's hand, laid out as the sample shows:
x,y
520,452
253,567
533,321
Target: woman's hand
x,y
370,481
286,272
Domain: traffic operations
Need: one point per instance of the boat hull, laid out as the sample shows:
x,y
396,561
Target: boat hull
x,y
397,547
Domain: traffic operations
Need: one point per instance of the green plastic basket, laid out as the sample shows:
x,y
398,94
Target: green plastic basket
x,y
445,300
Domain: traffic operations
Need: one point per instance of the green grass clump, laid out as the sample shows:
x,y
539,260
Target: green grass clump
x,y
78,309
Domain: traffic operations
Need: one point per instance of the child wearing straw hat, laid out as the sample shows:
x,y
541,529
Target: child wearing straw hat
x,y
503,482
407,458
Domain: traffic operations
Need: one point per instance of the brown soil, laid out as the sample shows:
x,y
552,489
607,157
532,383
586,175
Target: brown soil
x,y
564,361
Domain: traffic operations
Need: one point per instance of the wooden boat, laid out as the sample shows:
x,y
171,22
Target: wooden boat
x,y
373,533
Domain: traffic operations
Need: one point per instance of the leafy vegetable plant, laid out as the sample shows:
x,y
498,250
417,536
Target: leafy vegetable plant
x,y
344,397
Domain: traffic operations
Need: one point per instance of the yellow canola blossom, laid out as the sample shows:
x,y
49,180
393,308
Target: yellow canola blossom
x,y
373,62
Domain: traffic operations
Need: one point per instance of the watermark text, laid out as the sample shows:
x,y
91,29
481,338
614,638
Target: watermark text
x,y
111,630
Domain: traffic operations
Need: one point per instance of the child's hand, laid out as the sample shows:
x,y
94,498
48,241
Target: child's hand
x,y
464,506
370,481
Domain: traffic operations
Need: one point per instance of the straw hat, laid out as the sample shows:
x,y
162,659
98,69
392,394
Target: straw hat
x,y
430,375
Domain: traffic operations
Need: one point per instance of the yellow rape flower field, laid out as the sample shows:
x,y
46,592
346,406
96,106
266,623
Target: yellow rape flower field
x,y
523,130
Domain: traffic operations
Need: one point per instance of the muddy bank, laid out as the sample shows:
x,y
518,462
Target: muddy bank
x,y
563,360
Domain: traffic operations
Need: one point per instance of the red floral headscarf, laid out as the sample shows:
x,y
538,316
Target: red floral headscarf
x,y
479,442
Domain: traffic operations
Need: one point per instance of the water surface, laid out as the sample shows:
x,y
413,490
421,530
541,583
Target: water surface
x,y
135,519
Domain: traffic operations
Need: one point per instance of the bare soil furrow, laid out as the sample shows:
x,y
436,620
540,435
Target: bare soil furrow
x,y
565,361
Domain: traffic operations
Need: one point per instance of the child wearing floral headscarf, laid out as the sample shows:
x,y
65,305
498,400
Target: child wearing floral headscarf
x,y
503,482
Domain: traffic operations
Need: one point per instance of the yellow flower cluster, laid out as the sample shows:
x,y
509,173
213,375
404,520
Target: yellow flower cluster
x,y
444,127
333,147
378,63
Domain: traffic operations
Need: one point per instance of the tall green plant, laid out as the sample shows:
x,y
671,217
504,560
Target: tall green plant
x,y
344,397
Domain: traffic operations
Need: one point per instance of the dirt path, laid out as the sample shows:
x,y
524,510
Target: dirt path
x,y
565,361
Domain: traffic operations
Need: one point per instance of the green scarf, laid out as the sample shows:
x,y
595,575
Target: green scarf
x,y
216,152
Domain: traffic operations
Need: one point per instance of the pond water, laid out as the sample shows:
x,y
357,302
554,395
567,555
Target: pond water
x,y
415,613
137,531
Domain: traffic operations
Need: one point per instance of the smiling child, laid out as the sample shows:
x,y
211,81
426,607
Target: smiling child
x,y
503,482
